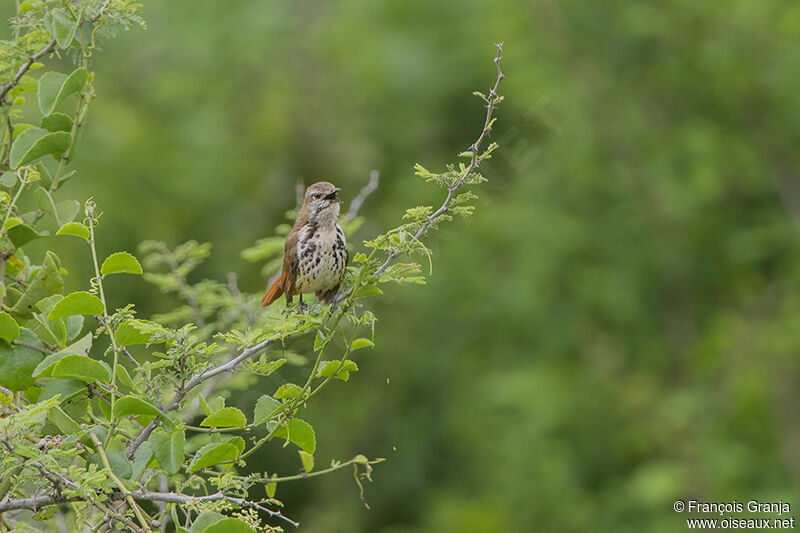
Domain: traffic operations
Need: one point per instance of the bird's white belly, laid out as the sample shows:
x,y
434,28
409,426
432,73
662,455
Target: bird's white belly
x,y
321,263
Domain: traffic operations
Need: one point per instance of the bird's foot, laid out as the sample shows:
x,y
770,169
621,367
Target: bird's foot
x,y
301,308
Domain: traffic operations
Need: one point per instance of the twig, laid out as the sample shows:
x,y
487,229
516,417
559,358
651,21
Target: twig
x,y
24,68
32,346
473,164
128,498
102,10
368,189
192,383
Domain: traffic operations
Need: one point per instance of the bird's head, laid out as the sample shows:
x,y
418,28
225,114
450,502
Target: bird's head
x,y
321,202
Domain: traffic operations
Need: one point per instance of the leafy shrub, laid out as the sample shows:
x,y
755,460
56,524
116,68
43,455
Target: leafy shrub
x,y
112,419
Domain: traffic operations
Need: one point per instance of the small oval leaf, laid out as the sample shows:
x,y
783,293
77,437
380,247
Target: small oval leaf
x,y
9,329
298,432
228,525
361,343
75,229
77,303
211,454
82,368
132,406
34,143
225,417
119,263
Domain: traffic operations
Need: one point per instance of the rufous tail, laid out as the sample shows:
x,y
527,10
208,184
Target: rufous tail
x,y
275,290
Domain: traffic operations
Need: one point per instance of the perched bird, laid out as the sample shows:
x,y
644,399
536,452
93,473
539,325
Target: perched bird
x,y
315,253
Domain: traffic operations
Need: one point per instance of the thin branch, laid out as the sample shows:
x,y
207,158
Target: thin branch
x,y
368,189
24,68
32,346
192,383
102,10
473,164
37,502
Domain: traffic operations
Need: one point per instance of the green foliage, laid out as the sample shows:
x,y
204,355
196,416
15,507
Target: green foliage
x,y
105,405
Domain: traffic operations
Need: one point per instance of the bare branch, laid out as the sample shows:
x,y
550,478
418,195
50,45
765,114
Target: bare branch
x,y
24,68
368,189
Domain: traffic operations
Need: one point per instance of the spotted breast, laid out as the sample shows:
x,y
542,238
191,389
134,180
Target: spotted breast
x,y
322,257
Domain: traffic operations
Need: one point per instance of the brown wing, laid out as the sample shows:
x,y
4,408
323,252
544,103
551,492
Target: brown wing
x,y
285,282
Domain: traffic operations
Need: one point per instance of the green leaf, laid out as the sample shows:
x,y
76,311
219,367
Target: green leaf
x,y
225,417
205,519
287,391
327,368
168,450
135,331
266,406
46,513
9,329
298,432
271,488
228,525
81,347
75,229
74,327
61,25
22,234
65,388
119,465
369,290
203,404
55,87
77,303
46,283
82,368
124,377
132,406
361,342
319,340
214,453
57,122
17,362
61,212
120,262
34,143
307,459
67,210
141,458
63,421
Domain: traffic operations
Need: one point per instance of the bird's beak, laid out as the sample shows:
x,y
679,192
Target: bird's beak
x,y
332,196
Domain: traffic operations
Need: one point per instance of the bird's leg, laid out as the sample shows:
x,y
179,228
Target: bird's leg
x,y
301,307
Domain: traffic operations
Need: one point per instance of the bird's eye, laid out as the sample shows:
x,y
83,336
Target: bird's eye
x,y
315,196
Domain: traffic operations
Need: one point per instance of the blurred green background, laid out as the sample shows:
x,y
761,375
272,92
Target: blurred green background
x,y
618,326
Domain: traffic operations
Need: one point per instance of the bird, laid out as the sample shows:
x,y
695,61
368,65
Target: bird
x,y
315,253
